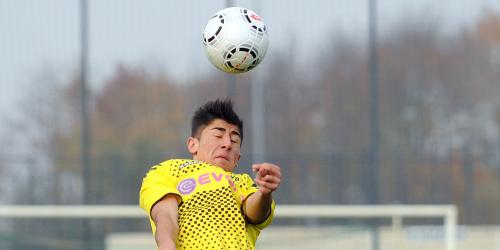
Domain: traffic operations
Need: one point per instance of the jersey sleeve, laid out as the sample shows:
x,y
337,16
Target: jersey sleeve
x,y
245,184
269,219
159,181
251,188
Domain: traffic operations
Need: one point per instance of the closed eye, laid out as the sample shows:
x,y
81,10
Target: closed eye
x,y
235,139
219,133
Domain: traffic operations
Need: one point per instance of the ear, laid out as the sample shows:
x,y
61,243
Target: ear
x,y
192,145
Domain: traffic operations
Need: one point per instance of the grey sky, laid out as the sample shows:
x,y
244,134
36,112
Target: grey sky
x,y
166,34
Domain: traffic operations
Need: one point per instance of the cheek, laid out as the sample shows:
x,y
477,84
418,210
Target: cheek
x,y
209,147
236,153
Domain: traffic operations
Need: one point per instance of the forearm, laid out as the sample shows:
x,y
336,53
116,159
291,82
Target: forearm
x,y
257,207
166,233
165,216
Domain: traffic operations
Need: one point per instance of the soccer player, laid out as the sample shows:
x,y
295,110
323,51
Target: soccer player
x,y
200,203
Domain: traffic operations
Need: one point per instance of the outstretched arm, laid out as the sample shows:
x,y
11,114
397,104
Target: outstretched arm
x,y
165,215
258,206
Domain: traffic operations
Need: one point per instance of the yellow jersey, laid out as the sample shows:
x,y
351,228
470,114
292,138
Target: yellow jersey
x,y
210,204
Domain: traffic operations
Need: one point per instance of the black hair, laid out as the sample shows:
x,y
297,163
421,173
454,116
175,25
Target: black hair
x,y
218,109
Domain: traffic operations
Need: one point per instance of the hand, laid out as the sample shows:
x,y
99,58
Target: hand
x,y
268,177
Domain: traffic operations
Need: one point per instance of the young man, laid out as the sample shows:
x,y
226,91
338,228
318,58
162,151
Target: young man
x,y
200,203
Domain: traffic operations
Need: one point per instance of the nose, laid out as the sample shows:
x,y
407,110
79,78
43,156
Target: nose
x,y
226,142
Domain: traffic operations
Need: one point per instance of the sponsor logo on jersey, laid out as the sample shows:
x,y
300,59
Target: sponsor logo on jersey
x,y
188,185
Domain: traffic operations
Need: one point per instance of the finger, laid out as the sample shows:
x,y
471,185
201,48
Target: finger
x,y
271,179
275,172
269,182
257,176
260,182
256,167
271,168
264,186
262,165
262,172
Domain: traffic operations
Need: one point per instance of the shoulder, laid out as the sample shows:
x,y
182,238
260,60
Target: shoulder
x,y
177,164
182,166
170,166
242,178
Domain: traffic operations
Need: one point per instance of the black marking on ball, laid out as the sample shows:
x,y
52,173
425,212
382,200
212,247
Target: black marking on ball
x,y
218,30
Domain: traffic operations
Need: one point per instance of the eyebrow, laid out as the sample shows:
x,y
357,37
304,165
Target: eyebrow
x,y
224,130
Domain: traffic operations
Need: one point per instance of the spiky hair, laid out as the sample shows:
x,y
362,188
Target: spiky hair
x,y
218,109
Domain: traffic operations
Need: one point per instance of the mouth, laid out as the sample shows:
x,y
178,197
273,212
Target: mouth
x,y
222,157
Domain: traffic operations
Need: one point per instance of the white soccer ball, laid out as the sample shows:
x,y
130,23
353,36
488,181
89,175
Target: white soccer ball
x,y
235,40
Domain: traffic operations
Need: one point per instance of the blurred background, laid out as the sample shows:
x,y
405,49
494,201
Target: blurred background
x,y
359,102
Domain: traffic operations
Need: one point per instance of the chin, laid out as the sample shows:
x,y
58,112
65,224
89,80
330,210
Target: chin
x,y
228,169
224,165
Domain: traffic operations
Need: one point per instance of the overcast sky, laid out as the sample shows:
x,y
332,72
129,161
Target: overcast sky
x,y
166,34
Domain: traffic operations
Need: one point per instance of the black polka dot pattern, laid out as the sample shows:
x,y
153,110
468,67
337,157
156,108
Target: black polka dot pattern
x,y
211,218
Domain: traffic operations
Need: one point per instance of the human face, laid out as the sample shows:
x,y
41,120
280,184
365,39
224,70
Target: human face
x,y
219,144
